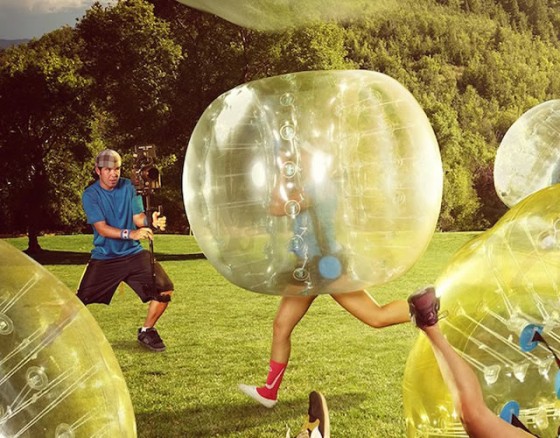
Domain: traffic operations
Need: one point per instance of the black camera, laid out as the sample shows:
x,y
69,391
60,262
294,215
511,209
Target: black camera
x,y
145,176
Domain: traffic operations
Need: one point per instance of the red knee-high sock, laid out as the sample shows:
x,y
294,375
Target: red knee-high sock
x,y
275,374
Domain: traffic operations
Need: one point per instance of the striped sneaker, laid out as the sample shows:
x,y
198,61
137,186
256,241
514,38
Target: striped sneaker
x,y
318,423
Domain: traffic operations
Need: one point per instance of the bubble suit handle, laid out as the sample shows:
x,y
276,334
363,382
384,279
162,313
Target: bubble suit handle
x,y
313,182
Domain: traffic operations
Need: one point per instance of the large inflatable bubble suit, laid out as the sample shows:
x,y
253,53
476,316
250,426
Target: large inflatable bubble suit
x,y
275,15
313,182
58,374
528,158
499,290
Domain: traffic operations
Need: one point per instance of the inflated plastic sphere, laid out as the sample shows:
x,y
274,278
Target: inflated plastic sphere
x,y
497,289
528,158
58,374
274,15
313,182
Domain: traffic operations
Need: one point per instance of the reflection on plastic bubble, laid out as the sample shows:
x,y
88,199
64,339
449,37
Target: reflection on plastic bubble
x,y
322,182
273,15
58,374
528,158
495,288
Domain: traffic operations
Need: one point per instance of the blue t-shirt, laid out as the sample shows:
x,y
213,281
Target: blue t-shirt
x,y
116,207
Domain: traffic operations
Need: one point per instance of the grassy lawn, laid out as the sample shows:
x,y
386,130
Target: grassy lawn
x,y
218,335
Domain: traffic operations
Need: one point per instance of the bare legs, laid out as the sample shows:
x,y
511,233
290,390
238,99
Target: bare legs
x,y
289,314
477,419
155,310
360,304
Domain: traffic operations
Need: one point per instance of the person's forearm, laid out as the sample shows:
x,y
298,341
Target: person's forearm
x,y
141,220
111,232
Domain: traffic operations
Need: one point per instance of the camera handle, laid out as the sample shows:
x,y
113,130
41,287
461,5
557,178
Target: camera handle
x,y
149,214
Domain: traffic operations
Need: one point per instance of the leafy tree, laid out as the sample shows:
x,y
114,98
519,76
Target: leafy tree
x,y
133,63
44,129
492,209
319,46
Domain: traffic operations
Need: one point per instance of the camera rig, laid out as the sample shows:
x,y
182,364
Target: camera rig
x,y
145,175
146,178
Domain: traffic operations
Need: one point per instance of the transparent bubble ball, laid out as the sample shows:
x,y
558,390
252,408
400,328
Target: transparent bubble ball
x,y
313,183
528,158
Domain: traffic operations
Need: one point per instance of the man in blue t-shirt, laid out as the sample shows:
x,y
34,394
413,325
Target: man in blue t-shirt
x,y
116,213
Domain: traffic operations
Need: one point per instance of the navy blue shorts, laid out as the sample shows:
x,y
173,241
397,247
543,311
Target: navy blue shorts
x,y
102,277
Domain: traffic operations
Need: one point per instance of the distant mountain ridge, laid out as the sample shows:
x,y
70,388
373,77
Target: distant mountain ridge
x,y
4,44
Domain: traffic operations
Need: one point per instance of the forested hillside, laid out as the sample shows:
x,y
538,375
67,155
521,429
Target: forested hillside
x,y
144,71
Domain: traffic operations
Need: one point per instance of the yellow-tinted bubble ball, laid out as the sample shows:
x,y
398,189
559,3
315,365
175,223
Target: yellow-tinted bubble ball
x,y
528,158
313,182
274,15
502,283
58,374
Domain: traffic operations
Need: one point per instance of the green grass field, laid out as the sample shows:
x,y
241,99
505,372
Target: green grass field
x,y
218,335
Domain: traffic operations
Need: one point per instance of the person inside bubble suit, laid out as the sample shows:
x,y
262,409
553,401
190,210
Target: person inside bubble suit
x,y
312,204
313,207
477,419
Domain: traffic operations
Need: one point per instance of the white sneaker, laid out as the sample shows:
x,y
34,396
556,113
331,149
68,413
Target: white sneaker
x,y
251,391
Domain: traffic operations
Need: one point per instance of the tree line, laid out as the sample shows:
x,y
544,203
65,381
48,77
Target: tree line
x,y
143,71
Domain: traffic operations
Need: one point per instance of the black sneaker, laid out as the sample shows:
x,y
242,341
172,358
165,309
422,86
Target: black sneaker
x,y
150,339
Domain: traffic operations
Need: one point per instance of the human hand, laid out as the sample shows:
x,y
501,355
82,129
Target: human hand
x,y
159,221
142,233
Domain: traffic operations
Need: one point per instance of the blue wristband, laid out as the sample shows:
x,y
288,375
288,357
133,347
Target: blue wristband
x,y
146,221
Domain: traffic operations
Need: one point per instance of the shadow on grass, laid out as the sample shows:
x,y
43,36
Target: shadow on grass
x,y
222,420
179,257
128,346
47,257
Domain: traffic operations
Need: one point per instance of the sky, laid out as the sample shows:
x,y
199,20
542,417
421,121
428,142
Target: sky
x,y
25,19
